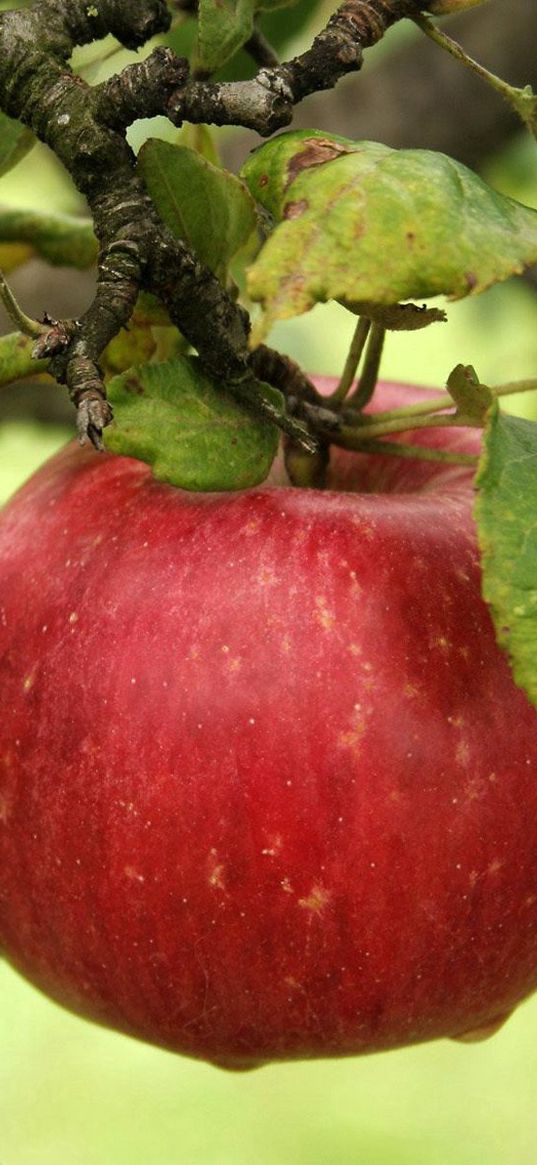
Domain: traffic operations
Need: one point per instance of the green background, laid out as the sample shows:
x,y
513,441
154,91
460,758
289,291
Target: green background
x,y
73,1094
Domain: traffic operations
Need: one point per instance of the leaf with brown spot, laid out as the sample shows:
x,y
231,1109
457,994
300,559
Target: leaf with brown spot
x,y
317,151
295,209
380,226
267,172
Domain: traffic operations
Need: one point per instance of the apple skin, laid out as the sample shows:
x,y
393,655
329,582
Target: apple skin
x,y
267,788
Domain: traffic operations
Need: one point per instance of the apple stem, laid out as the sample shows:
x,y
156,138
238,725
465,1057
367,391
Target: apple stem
x,y
384,428
432,407
511,388
422,408
366,387
403,449
354,355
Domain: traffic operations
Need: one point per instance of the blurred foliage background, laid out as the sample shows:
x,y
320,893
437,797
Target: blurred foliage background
x,y
73,1093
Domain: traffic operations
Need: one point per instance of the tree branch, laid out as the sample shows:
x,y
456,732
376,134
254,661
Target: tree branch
x,y
266,102
86,127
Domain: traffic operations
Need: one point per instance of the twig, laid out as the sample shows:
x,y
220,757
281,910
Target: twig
x,y
523,101
261,51
25,324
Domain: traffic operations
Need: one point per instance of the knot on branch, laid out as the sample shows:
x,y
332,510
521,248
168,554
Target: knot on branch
x,y
264,104
368,20
56,339
276,100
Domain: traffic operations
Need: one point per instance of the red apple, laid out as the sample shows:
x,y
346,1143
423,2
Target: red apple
x,y
267,787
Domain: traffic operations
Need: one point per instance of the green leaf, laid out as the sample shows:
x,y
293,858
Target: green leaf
x,y
359,222
280,29
506,513
16,360
280,26
225,25
192,433
15,142
209,208
59,238
201,139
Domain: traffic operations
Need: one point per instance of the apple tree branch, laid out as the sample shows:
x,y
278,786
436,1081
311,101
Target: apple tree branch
x,y
86,128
